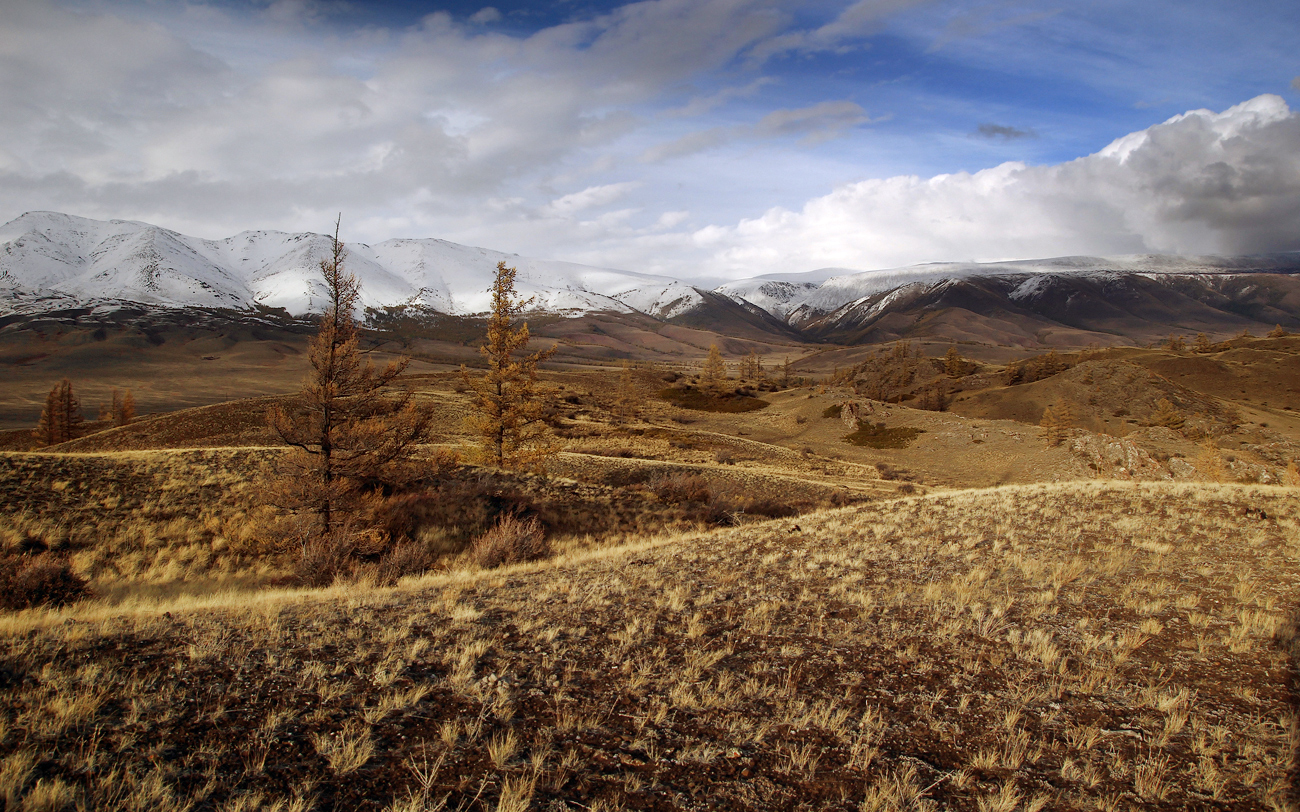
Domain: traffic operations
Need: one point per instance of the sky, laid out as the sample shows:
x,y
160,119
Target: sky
x,y
701,139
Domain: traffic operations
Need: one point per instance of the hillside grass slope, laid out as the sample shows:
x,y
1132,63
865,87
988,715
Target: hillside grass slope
x,y
1082,645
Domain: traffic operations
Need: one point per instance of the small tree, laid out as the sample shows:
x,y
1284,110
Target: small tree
x,y
126,413
952,363
510,415
120,411
1211,462
1051,426
751,367
1176,343
1168,416
1278,332
1057,422
785,373
714,373
626,403
1201,343
61,418
348,427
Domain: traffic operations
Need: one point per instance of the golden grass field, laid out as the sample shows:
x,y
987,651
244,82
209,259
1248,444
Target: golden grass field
x,y
978,620
1071,646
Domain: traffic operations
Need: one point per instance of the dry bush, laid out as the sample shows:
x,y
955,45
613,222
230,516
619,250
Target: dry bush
x,y
402,559
39,580
463,508
326,557
512,541
678,488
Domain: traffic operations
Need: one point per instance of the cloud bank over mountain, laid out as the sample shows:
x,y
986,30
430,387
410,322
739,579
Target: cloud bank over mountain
x,y
1200,183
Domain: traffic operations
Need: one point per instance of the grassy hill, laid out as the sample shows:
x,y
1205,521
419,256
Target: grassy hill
x,y
1070,646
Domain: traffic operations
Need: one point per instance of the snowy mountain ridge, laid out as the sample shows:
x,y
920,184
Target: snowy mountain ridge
x,y
50,261
47,255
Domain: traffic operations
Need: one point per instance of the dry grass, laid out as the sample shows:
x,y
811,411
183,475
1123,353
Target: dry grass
x,y
1040,647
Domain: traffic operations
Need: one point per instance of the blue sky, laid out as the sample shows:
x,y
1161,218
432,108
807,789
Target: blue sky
x,y
708,139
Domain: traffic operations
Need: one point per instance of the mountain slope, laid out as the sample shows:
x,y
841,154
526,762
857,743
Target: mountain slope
x,y
1067,309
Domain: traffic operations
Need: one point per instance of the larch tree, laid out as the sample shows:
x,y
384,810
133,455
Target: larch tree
x,y
1056,423
1168,416
349,426
953,364
120,411
627,403
714,373
510,417
126,412
61,418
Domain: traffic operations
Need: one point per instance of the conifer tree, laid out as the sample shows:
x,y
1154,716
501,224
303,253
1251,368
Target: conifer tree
x,y
1057,422
1211,462
714,373
1278,332
348,426
952,363
1168,416
121,409
785,373
61,418
510,412
1051,426
626,403
126,412
1064,417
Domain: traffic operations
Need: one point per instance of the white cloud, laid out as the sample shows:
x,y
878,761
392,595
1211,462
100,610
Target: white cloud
x,y
817,123
1201,182
591,197
690,144
861,18
700,105
485,15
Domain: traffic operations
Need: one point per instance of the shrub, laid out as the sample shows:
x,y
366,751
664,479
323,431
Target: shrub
x,y
402,559
325,557
512,541
680,488
27,581
729,403
881,436
772,508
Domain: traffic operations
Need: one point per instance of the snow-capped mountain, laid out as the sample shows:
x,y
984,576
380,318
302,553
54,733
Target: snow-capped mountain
x,y
803,303
52,261
46,255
